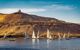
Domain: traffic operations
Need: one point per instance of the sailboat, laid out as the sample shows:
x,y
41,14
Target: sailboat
x,y
26,36
48,34
38,34
68,36
59,36
5,35
33,35
64,36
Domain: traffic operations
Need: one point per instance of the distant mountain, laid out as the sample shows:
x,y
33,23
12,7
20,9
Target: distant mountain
x,y
18,23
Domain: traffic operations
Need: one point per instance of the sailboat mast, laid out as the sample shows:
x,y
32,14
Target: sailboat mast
x,y
38,34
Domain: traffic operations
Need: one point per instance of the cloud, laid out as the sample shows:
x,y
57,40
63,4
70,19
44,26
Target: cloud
x,y
30,10
33,10
61,7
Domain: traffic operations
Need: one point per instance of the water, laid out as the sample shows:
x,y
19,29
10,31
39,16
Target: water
x,y
40,44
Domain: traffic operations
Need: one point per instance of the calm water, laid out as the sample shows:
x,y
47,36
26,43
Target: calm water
x,y
40,44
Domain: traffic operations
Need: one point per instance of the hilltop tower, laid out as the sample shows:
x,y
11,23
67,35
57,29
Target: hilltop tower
x,y
18,12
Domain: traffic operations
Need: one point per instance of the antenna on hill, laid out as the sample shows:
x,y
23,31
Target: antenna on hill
x,y
19,11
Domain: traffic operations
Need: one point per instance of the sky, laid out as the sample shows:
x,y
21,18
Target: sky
x,y
66,10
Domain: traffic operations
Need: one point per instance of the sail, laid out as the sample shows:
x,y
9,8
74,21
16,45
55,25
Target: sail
x,y
26,36
38,34
59,36
5,35
50,37
64,36
48,34
33,35
68,34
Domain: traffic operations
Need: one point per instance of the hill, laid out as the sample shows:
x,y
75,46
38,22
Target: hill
x,y
16,24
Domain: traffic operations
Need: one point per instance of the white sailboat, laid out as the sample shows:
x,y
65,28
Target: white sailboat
x,y
33,35
64,36
38,34
48,34
68,35
59,36
33,39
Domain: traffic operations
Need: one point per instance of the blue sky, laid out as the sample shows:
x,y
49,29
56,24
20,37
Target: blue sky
x,y
67,10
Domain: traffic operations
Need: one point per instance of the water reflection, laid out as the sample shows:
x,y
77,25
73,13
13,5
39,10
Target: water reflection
x,y
42,44
38,43
20,41
48,43
59,44
33,43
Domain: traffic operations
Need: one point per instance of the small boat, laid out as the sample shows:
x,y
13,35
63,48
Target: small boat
x,y
26,36
11,39
5,35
